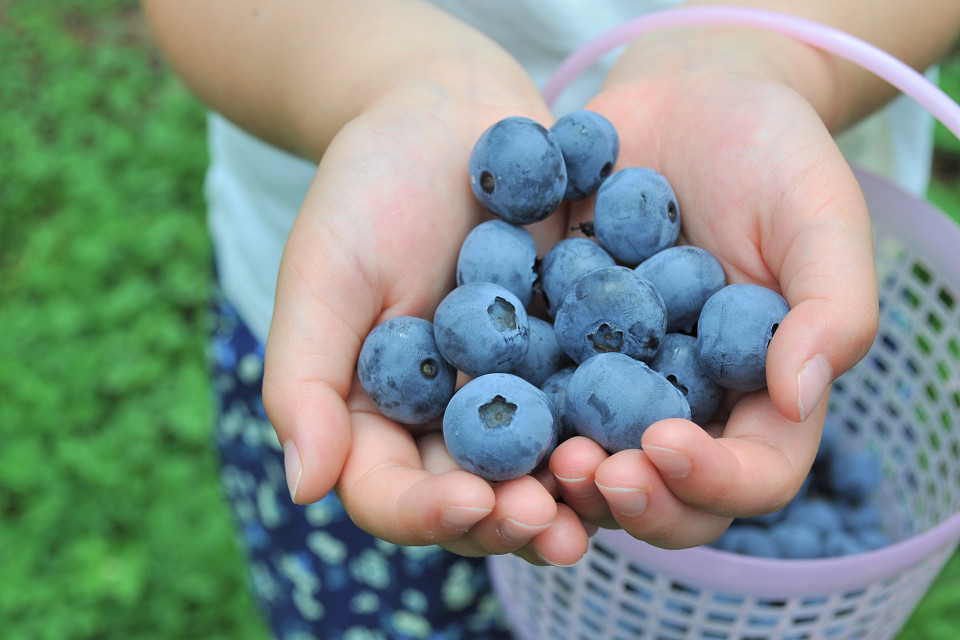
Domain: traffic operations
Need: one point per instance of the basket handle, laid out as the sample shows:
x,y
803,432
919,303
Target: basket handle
x,y
818,35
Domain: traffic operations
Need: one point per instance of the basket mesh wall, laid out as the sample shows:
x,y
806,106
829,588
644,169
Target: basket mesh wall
x,y
901,402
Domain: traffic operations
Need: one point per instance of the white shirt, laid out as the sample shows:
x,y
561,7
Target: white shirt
x,y
254,190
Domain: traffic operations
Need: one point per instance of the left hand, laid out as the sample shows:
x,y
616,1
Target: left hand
x,y
761,185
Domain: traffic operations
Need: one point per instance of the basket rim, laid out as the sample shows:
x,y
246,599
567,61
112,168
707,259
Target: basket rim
x,y
776,577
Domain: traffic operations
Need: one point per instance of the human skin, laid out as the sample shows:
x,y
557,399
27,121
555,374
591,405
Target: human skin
x,y
762,186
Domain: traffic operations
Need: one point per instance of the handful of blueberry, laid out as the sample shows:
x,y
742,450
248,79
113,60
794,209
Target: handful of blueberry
x,y
637,328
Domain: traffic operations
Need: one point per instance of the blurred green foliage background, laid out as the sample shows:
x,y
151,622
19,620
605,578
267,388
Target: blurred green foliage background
x,y
111,520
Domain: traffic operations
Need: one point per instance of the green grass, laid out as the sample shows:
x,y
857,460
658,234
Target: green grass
x,y
112,524
111,520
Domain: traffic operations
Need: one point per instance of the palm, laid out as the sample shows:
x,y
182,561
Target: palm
x,y
377,237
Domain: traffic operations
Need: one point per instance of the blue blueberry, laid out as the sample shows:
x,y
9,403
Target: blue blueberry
x,y
686,277
636,214
873,538
797,540
502,253
677,360
612,399
499,427
748,540
830,443
481,327
854,475
610,310
565,262
860,516
517,171
404,373
817,512
544,355
555,387
734,331
590,148
842,543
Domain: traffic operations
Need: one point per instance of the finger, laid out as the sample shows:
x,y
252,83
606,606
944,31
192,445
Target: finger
x,y
524,508
574,464
562,544
389,494
755,468
645,507
308,369
821,251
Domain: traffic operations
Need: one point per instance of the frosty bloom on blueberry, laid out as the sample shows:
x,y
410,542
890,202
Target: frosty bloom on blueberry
x,y
502,253
590,146
610,309
517,170
403,373
636,214
480,327
499,427
734,331
612,399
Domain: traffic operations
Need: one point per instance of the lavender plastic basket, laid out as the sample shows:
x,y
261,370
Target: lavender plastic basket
x,y
902,402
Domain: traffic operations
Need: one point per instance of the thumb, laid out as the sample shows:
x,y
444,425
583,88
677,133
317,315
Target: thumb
x,y
828,276
308,368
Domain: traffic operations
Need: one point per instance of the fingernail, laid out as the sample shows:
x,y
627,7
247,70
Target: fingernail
x,y
461,518
670,462
812,381
515,531
291,465
626,500
578,487
553,564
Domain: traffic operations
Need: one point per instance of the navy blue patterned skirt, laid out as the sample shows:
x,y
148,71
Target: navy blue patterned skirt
x,y
313,572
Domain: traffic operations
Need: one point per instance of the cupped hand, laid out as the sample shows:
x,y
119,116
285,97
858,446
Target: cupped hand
x,y
762,185
378,237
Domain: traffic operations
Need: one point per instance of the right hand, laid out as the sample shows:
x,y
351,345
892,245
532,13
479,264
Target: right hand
x,y
377,237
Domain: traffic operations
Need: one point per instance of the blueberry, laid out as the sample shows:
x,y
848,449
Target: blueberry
x,y
502,253
517,170
830,442
817,512
555,387
481,327
854,475
842,543
860,516
797,540
499,427
686,277
544,355
403,373
565,262
748,540
636,214
610,310
873,538
590,147
612,399
734,331
677,360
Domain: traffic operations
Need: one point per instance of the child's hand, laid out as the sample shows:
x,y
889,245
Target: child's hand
x,y
377,237
762,186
